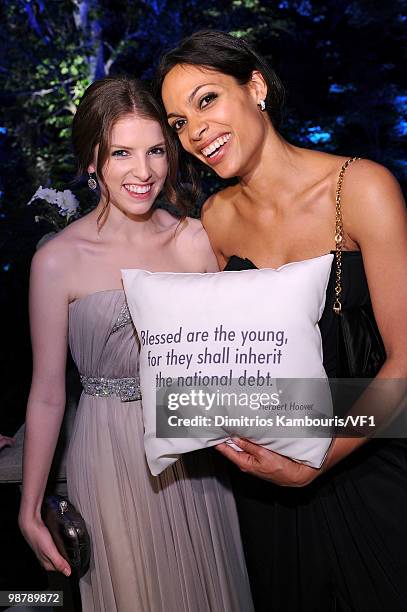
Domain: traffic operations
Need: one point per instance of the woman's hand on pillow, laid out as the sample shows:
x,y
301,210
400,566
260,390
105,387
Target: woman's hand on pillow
x,y
268,465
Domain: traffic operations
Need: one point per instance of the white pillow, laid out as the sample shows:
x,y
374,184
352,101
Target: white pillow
x,y
268,316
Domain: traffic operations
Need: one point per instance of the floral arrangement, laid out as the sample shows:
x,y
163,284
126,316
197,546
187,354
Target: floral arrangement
x,y
58,207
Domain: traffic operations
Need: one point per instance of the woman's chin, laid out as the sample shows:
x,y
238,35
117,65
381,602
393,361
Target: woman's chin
x,y
225,170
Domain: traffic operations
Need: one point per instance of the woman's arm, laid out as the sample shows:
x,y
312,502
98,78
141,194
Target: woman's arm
x,y
46,403
375,217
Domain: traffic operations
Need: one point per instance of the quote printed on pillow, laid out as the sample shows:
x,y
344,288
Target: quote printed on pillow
x,y
227,347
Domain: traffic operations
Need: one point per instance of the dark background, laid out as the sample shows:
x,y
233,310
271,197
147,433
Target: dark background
x,y
341,62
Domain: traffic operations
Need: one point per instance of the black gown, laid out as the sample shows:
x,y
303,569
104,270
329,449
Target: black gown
x,y
340,543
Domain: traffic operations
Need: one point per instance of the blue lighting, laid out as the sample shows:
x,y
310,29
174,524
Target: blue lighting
x,y
400,102
317,135
3,130
335,88
401,127
155,6
304,8
402,166
283,5
6,267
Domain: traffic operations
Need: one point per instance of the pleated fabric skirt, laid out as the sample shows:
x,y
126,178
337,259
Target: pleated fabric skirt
x,y
159,544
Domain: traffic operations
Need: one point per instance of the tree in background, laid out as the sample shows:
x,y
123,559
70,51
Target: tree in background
x,y
342,68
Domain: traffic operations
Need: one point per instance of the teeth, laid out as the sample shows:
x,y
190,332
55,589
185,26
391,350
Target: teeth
x,y
138,188
216,144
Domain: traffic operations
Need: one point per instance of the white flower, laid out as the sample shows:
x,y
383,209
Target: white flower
x,y
49,195
65,200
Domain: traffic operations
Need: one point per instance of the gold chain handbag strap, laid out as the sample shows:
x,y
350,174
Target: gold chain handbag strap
x,y
337,307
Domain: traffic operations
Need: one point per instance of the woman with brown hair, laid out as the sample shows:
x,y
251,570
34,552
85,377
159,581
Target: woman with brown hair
x,y
158,544
333,538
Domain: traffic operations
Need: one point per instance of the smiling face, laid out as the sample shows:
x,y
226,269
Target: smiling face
x,y
217,120
136,166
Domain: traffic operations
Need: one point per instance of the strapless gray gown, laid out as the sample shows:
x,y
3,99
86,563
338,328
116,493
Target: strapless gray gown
x,y
159,544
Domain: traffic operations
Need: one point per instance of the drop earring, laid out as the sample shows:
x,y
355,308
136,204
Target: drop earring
x,y
262,105
92,184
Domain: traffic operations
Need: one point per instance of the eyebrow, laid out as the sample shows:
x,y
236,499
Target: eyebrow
x,y
191,97
116,146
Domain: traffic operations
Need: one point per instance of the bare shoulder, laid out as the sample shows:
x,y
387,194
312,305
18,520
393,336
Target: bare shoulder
x,y
372,203
369,187
369,177
59,255
193,233
365,183
217,215
193,242
164,220
185,229
219,206
192,229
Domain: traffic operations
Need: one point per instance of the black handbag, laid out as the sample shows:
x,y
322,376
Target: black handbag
x,y
361,351
68,530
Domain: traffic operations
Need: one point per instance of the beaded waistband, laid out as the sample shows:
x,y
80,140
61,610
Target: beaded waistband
x,y
128,389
